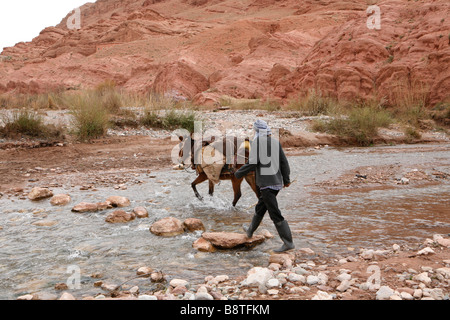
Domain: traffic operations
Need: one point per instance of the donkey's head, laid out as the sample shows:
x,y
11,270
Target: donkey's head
x,y
188,146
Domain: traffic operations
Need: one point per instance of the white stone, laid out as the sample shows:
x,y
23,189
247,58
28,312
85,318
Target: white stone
x,y
427,269
343,276
312,280
323,278
67,296
384,293
273,283
425,251
418,293
406,296
367,254
221,278
444,271
300,270
444,242
258,276
179,282
437,294
294,277
395,247
203,296
422,277
272,292
344,286
322,295
147,297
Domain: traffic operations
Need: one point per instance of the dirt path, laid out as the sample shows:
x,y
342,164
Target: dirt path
x,y
89,161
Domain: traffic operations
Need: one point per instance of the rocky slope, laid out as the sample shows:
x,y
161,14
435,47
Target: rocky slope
x,y
203,49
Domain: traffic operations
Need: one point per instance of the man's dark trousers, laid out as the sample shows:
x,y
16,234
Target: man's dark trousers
x,y
268,202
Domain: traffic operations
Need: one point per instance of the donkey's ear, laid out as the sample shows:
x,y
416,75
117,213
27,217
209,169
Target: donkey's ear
x,y
181,138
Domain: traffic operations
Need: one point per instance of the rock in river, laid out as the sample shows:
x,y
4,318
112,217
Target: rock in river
x,y
193,224
140,212
120,216
39,193
60,200
85,207
118,201
229,240
167,227
203,245
44,223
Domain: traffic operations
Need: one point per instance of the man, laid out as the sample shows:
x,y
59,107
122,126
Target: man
x,y
267,158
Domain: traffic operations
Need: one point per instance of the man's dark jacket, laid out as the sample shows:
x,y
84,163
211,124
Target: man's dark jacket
x,y
271,168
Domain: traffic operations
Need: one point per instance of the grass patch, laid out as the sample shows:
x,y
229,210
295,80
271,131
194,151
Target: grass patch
x,y
412,133
110,97
314,104
361,125
171,120
25,122
441,113
409,103
249,104
90,117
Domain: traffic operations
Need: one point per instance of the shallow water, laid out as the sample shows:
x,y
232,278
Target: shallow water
x,y
36,258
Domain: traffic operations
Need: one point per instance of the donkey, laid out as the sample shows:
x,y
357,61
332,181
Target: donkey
x,y
228,170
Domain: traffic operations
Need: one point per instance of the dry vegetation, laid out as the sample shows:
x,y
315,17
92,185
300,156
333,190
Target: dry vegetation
x,y
102,107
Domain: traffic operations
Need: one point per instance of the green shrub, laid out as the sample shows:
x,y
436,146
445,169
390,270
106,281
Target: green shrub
x,y
314,104
28,123
361,125
412,133
110,97
172,119
409,101
90,117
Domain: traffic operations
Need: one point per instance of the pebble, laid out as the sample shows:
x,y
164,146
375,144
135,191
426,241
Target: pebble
x,y
422,277
294,277
147,297
258,276
406,296
67,296
384,293
179,282
202,294
343,276
344,286
425,251
322,295
273,283
312,280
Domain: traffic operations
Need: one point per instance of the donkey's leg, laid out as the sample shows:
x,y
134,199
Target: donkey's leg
x,y
211,188
237,189
201,177
251,180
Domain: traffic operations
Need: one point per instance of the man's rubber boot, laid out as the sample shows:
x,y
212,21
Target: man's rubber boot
x,y
256,221
286,236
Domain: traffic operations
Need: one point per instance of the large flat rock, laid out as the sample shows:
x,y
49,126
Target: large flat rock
x,y
230,240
